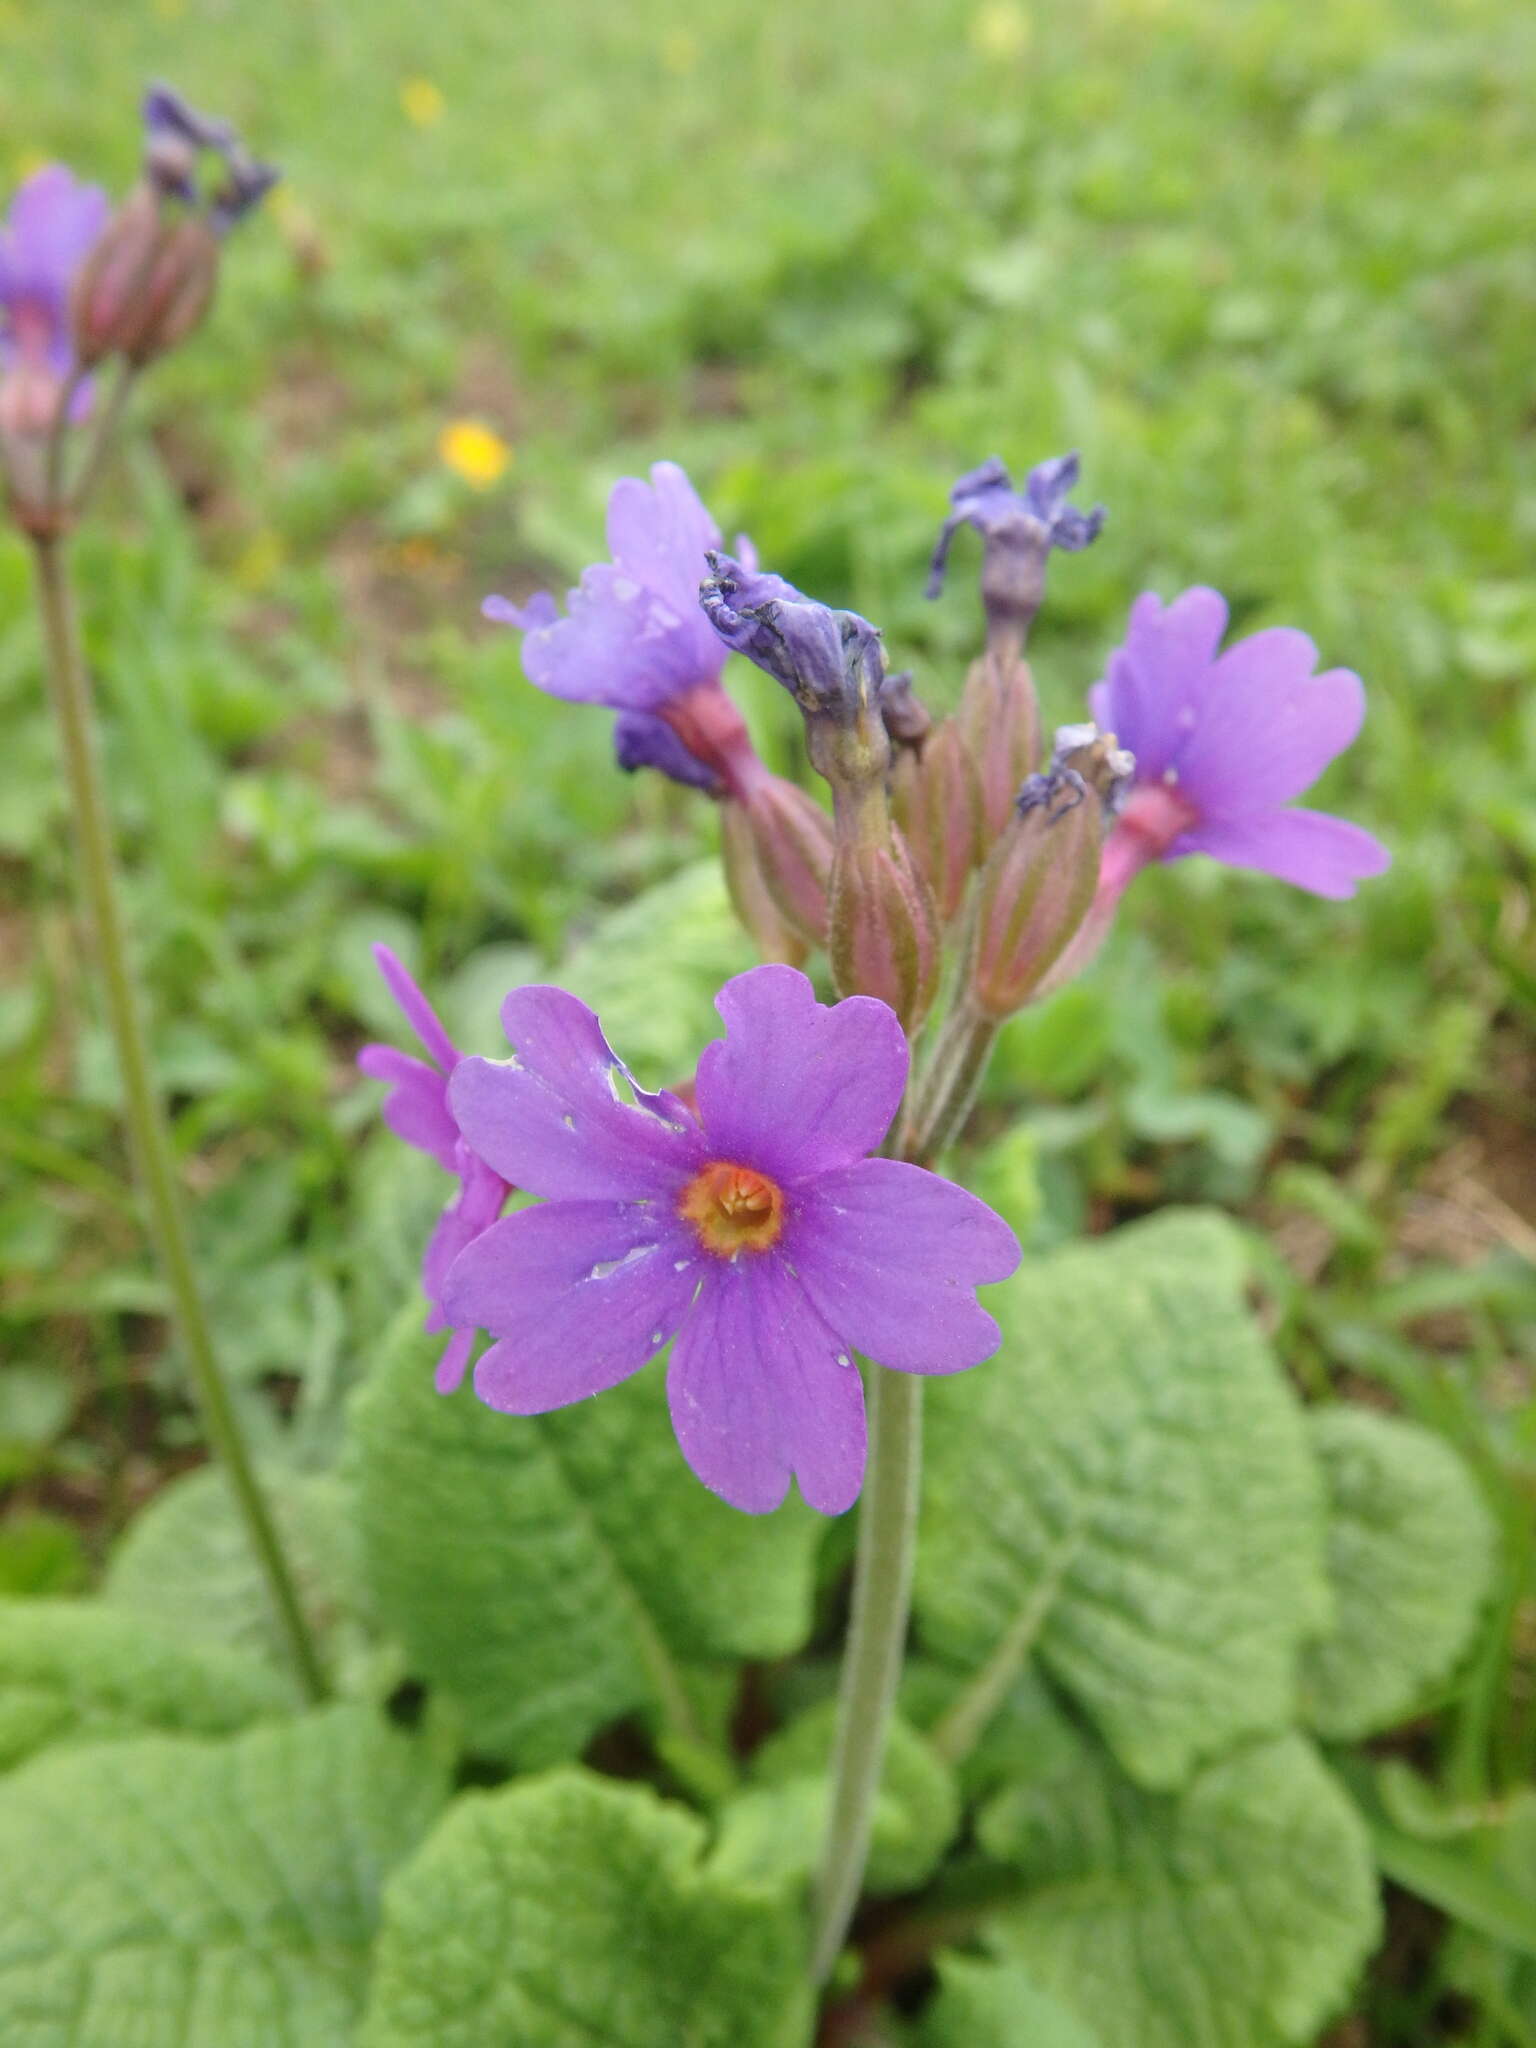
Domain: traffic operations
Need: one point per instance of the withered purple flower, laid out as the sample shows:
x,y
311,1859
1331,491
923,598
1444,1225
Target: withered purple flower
x,y
1019,529
757,1233
831,662
416,1110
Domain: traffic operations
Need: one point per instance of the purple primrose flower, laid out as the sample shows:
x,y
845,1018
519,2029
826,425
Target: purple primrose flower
x,y
53,224
1224,742
757,1232
633,637
416,1109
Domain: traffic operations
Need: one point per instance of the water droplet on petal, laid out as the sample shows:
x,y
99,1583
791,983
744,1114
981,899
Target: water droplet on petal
x,y
681,1265
658,1336
606,1266
843,1358
569,1121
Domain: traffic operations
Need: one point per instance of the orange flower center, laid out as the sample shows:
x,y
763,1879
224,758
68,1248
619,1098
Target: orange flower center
x,y
733,1209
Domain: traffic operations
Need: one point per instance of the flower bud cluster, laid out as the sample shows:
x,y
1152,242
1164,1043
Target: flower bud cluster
x,y
81,285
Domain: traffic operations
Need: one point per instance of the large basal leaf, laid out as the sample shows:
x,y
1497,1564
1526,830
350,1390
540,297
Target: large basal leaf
x,y
652,969
1232,1914
776,1828
77,1669
1128,1488
981,2004
1410,1553
570,1912
187,1565
551,1574
167,1892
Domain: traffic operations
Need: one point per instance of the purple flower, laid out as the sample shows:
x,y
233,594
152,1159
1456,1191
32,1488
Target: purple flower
x,y
54,223
416,1109
633,637
757,1233
830,662
1019,528
1224,742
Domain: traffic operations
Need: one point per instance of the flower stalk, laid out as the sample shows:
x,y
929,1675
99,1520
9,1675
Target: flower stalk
x,y
882,1598
887,1542
150,1137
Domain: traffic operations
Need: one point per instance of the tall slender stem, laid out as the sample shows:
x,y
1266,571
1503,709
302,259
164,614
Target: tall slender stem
x,y
154,1155
882,1592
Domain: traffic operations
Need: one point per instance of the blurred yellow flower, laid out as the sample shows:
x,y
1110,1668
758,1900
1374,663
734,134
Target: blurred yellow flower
x,y
170,10
28,161
680,53
1001,28
260,561
422,101
474,452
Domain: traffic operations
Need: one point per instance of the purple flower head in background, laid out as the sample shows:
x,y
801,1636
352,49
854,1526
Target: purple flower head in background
x,y
1223,743
54,223
1020,528
416,1109
633,638
176,137
757,1233
831,662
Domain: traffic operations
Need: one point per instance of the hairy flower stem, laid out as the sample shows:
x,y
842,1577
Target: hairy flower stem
x,y
882,1592
154,1155
946,1088
882,1581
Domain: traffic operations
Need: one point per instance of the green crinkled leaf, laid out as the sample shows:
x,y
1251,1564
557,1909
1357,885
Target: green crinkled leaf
x,y
1232,1914
996,2005
570,1912
1128,1487
186,1564
167,1892
73,1669
652,969
776,1827
1410,1552
550,1573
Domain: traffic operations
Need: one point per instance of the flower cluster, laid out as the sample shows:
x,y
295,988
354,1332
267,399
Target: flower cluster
x,y
747,1226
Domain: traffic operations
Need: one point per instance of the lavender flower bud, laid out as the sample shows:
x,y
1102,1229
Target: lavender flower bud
x,y
1039,883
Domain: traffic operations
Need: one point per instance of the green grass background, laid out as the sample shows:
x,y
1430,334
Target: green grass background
x,y
1270,268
